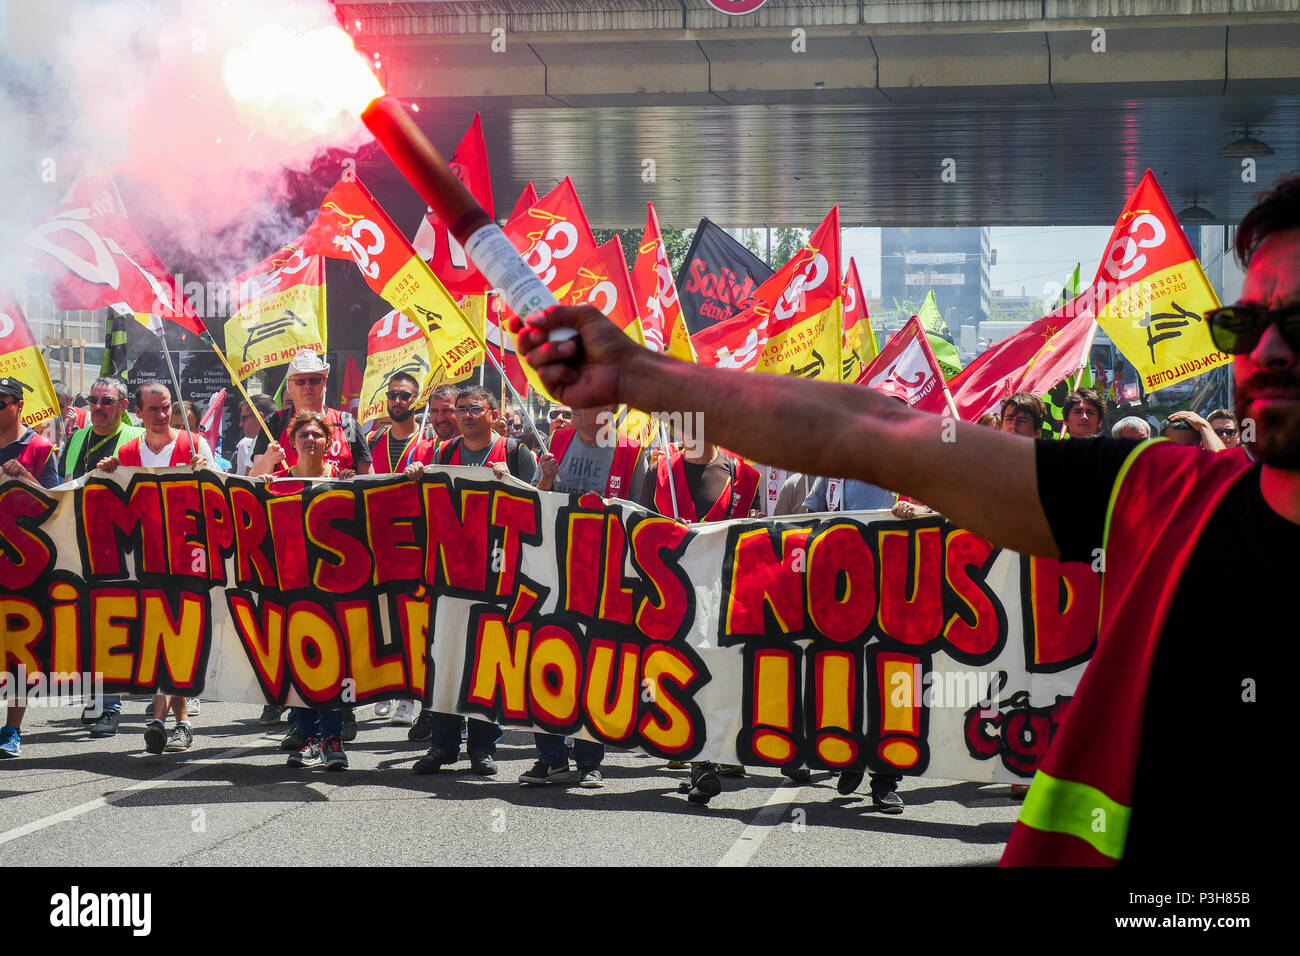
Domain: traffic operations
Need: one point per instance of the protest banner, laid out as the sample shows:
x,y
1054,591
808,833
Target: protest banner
x,y
844,640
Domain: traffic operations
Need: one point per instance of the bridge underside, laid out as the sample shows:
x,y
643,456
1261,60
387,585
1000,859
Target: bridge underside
x,y
708,115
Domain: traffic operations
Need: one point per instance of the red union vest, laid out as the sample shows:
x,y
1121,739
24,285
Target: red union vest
x,y
1163,498
732,503
621,469
35,454
416,449
129,454
449,454
339,452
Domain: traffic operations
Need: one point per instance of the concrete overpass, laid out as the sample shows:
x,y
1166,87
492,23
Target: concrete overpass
x,y
1049,110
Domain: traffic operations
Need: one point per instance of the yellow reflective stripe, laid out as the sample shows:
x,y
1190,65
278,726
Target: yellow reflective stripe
x,y
1063,806
1119,481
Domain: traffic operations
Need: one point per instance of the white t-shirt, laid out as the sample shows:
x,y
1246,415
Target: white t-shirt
x,y
163,459
244,455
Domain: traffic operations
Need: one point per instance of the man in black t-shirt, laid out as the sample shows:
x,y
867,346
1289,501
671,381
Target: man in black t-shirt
x,y
1198,708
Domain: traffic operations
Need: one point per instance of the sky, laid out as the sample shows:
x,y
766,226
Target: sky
x,y
1036,259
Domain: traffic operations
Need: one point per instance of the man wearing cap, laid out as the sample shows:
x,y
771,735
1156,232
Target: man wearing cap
x,y
26,456
304,390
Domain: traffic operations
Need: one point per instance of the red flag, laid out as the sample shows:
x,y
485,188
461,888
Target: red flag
x,y
526,198
95,258
907,362
210,423
434,241
1032,360
350,399
553,236
662,322
603,281
800,290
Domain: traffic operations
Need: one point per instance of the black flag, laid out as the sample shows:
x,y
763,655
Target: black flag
x,y
718,278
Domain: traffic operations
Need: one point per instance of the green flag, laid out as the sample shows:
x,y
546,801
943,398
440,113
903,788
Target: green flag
x,y
115,362
936,330
1071,287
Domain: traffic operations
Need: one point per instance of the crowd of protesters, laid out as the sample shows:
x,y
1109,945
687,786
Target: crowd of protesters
x,y
693,481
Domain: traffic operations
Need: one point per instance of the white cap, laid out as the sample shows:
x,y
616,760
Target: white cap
x,y
307,362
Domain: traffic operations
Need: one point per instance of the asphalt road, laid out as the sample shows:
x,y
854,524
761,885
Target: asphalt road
x,y
230,800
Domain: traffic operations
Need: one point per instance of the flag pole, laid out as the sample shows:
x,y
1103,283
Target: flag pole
x,y
207,337
510,385
668,458
1083,360
156,327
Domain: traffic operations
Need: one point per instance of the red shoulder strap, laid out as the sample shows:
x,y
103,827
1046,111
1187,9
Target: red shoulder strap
x,y
664,495
561,438
128,454
621,469
742,495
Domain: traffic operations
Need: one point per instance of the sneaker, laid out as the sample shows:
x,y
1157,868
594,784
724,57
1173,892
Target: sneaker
x,y
192,705
335,758
730,770
106,726
431,762
422,729
11,742
293,740
383,708
678,765
349,724
484,765
92,712
796,773
849,781
308,755
270,715
705,784
155,736
590,779
180,739
887,802
543,773
1019,789
404,713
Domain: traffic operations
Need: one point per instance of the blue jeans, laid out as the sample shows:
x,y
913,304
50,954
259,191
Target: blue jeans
x,y
317,723
553,753
107,704
445,740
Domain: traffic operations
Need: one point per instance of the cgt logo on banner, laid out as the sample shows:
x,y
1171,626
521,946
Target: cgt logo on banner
x,y
855,640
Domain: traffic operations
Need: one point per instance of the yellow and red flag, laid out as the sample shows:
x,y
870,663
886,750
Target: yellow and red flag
x,y
553,237
280,309
434,241
95,258
20,358
351,225
797,327
603,281
860,346
662,322
1151,295
393,345
906,368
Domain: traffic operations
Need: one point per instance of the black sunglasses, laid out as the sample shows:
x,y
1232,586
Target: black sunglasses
x,y
1225,432
102,400
7,404
1237,329
396,396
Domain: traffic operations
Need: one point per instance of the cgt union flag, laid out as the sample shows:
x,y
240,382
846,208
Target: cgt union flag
x,y
1150,295
662,321
796,328
860,347
351,225
281,309
20,358
96,258
434,241
907,362
395,345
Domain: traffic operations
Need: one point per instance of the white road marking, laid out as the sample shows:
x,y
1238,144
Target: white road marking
x,y
17,833
761,827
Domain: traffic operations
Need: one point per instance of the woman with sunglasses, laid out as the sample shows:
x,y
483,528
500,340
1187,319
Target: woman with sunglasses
x,y
321,731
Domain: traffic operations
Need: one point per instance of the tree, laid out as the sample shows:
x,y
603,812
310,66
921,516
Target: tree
x,y
676,243
787,245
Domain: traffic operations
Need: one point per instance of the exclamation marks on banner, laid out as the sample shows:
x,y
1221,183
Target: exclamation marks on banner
x,y
771,679
836,692
897,700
